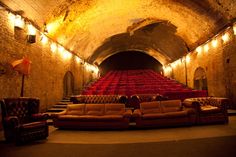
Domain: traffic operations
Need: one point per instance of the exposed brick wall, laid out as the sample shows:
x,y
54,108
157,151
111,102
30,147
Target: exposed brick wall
x,y
221,75
47,69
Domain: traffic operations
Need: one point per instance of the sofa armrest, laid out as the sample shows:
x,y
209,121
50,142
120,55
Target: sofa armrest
x,y
192,105
40,116
12,121
128,113
137,113
55,115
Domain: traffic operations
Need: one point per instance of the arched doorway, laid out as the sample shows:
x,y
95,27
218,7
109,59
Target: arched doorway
x,y
200,79
68,84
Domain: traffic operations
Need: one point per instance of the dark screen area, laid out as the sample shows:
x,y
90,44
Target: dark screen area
x,y
129,60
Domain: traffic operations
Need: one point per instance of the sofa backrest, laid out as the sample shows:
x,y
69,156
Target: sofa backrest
x,y
22,107
98,99
150,107
213,101
171,105
75,109
95,109
114,109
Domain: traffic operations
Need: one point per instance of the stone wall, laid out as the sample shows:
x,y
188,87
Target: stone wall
x,y
45,80
219,64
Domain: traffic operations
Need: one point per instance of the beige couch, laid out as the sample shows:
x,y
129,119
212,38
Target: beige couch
x,y
163,113
93,116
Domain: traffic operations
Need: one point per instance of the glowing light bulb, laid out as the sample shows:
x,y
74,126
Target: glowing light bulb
x,y
188,59
31,29
214,43
225,37
53,47
234,28
79,60
19,22
44,39
206,48
199,49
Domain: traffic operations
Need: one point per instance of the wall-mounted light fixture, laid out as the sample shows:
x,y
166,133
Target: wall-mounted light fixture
x,y
19,22
31,33
234,28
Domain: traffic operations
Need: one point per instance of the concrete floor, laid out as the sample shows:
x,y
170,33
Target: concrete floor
x,y
140,136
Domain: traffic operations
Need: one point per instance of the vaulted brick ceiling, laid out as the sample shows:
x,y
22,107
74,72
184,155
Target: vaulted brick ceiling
x,y
96,29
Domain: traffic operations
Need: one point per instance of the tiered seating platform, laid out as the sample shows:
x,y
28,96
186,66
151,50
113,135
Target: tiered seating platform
x,y
134,82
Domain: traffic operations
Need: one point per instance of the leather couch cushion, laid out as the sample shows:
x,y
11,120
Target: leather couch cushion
x,y
114,109
165,115
150,107
210,109
90,118
171,105
75,109
94,109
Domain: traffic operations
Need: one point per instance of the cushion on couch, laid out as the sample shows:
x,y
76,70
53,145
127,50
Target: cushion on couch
x,y
90,118
114,109
150,107
171,105
94,109
75,109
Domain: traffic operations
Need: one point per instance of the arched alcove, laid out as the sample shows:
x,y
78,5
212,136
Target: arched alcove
x,y
200,79
68,84
129,60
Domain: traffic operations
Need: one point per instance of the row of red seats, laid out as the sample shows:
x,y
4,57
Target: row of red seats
x,y
130,82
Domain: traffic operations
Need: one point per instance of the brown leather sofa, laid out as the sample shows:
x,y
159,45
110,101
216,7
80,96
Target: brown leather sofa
x,y
135,100
93,116
163,114
209,109
98,99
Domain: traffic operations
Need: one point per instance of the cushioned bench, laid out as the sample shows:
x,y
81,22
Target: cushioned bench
x,y
93,116
163,113
209,109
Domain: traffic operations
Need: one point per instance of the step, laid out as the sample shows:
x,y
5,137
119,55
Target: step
x,y
59,106
55,109
64,103
65,100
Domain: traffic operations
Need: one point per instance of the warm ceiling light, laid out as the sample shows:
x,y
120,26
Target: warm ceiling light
x,y
53,47
206,48
66,54
31,33
188,59
61,49
19,22
44,39
173,65
225,37
31,29
79,60
214,43
234,28
199,49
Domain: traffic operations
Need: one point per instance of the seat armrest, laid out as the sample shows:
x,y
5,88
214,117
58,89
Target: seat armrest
x,y
12,121
128,113
55,115
137,113
190,110
192,104
40,116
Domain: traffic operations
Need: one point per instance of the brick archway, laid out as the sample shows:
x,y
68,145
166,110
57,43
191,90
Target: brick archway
x,y
200,79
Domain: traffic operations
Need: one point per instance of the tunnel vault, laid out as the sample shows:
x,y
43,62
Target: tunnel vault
x,y
155,38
